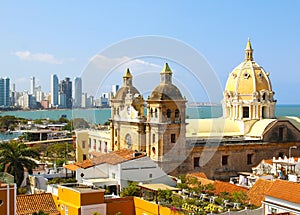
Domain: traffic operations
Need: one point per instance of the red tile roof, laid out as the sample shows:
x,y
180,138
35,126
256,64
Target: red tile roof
x,y
201,177
117,157
28,204
257,193
221,186
285,190
197,174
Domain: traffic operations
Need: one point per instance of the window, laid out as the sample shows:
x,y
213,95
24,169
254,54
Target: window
x,y
173,138
155,113
176,113
224,160
95,145
280,133
249,159
153,138
84,157
83,144
263,112
105,147
245,112
116,133
113,175
99,148
281,155
168,113
90,142
153,150
150,175
196,162
128,141
151,112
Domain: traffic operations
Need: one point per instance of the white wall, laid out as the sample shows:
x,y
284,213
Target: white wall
x,y
99,171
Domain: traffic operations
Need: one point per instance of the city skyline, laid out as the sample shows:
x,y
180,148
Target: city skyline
x,y
37,42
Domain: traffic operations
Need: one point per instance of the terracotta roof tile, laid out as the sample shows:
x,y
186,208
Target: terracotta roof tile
x,y
221,186
198,174
257,193
28,204
285,190
204,181
116,157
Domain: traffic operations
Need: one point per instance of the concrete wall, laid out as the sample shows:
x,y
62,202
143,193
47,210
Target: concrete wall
x,y
211,157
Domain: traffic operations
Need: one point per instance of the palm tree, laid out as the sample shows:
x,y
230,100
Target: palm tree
x,y
15,157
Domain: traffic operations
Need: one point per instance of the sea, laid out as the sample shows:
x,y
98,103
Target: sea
x,y
101,115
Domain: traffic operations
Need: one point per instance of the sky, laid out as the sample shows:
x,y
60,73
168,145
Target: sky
x,y
67,38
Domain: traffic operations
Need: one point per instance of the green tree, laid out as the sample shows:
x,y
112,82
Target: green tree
x,y
15,157
131,190
41,212
59,150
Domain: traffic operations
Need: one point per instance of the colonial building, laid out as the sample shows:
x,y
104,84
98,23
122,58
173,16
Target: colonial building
x,y
247,133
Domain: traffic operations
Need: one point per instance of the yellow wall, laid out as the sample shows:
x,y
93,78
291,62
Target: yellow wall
x,y
74,200
143,207
123,205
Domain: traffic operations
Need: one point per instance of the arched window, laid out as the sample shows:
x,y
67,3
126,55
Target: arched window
x,y
128,141
246,112
176,113
153,150
168,113
155,112
151,112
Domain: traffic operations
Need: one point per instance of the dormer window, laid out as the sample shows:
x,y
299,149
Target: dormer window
x,y
246,75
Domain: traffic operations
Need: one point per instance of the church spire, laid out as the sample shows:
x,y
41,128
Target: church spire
x,y
248,51
166,75
127,78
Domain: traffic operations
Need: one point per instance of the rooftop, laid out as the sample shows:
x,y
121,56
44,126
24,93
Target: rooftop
x,y
28,204
285,190
257,193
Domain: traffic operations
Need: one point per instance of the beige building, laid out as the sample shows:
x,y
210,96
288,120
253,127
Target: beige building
x,y
247,133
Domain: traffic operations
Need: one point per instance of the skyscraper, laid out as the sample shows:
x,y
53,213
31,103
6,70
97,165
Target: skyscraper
x,y
66,88
4,92
114,89
77,92
32,85
54,90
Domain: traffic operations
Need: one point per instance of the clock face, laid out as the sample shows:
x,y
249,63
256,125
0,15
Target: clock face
x,y
128,141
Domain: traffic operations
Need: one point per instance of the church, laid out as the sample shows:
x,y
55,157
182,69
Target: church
x,y
247,133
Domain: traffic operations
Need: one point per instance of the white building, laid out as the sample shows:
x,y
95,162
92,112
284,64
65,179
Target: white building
x,y
77,92
115,169
282,197
54,90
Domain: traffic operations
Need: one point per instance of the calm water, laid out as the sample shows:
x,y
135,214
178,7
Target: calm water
x,y
102,115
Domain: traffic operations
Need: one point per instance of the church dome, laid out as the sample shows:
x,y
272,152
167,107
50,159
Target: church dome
x,y
124,90
248,78
166,90
127,87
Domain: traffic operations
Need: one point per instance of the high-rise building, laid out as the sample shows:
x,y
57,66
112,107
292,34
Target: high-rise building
x,y
4,92
77,92
32,85
54,90
114,89
66,88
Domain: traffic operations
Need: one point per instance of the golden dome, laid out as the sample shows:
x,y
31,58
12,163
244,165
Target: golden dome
x,y
248,78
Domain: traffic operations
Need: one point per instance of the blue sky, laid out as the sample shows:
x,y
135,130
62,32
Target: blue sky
x,y
39,38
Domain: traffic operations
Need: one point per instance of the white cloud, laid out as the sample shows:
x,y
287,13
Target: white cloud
x,y
40,57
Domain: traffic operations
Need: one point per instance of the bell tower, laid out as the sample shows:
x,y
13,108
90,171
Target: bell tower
x,y
166,127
